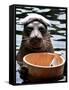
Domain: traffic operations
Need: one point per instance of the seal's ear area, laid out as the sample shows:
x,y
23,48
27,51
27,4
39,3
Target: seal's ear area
x,y
34,16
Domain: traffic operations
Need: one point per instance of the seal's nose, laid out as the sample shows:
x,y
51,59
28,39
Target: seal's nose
x,y
35,40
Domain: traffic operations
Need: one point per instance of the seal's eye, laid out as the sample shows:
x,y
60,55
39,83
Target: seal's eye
x,y
27,30
42,30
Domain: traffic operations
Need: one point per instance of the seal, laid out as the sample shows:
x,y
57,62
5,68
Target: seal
x,y
36,37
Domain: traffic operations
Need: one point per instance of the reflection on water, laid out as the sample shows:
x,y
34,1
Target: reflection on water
x,y
57,18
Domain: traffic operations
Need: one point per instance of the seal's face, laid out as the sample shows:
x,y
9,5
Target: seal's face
x,y
34,32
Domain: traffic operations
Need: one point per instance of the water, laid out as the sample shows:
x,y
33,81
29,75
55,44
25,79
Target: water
x,y
57,18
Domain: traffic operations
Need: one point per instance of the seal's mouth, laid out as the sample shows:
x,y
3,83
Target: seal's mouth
x,y
36,46
35,43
